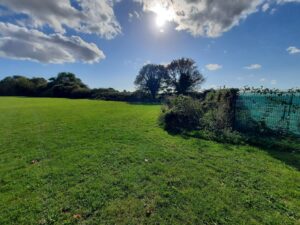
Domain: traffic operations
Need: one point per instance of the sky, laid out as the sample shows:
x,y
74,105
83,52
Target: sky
x,y
235,43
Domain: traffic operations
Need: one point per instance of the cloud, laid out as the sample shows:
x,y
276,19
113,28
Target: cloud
x,y
253,67
265,7
24,37
132,15
287,1
293,50
213,67
85,16
30,44
209,18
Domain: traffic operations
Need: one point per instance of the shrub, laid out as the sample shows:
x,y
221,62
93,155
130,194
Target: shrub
x,y
81,93
218,107
223,136
111,94
181,113
211,111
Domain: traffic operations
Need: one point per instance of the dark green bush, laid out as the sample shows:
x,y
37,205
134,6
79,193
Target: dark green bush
x,y
110,94
181,113
223,136
218,107
211,111
81,93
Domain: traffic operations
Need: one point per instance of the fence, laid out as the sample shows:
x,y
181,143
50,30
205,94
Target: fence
x,y
278,112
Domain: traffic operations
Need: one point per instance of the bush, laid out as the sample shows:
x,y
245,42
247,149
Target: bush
x,y
218,107
81,93
211,111
181,113
223,136
110,94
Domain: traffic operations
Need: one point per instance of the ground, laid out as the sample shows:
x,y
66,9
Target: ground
x,y
94,162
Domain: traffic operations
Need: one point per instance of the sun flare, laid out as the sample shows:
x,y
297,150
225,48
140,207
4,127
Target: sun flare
x,y
163,14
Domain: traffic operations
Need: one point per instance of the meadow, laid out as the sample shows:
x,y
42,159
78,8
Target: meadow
x,y
68,161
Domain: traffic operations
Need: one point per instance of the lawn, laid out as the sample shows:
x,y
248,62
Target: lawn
x,y
94,162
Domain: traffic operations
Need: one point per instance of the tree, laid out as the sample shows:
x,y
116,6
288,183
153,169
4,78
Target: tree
x,y
151,78
65,84
40,85
17,86
184,76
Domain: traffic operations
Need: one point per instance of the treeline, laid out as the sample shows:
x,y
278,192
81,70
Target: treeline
x,y
153,83
64,85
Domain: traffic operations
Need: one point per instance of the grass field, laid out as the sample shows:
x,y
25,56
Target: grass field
x,y
93,162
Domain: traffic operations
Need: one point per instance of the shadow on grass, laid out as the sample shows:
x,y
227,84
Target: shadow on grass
x,y
285,149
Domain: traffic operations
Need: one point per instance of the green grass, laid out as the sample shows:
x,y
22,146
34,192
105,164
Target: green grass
x,y
101,162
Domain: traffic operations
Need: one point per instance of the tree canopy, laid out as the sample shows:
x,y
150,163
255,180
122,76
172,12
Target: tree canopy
x,y
184,76
65,84
150,79
21,86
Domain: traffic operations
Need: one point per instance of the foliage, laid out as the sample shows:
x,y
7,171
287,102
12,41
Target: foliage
x,y
97,162
184,76
67,85
219,108
150,79
22,86
110,94
222,136
181,113
64,85
264,91
215,112
154,83
80,93
107,94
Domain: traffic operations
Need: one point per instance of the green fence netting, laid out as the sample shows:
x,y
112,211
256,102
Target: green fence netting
x,y
279,112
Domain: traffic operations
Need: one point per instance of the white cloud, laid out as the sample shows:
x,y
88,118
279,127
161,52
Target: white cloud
x,y
90,16
210,18
273,11
293,50
29,44
133,15
137,15
25,38
253,67
265,7
286,1
130,16
213,67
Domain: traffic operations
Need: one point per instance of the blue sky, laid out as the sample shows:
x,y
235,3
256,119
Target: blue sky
x,y
256,46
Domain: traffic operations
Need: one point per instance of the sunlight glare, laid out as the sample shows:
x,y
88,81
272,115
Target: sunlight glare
x,y
163,15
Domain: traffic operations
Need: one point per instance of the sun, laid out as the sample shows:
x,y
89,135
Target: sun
x,y
163,13
160,21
